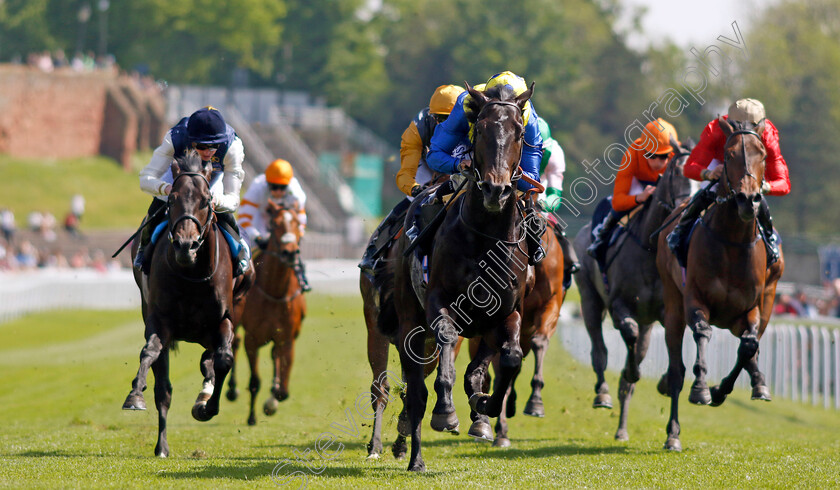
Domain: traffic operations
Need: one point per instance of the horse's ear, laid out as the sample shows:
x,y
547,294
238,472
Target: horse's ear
x,y
725,125
475,102
175,168
759,128
522,98
207,169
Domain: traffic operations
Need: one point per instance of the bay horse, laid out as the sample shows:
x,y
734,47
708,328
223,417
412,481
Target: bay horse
x,y
477,274
541,313
273,309
187,296
382,331
727,282
633,296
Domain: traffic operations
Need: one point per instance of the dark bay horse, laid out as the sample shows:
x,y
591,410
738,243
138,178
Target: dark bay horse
x,y
726,283
273,309
634,296
539,322
477,275
188,296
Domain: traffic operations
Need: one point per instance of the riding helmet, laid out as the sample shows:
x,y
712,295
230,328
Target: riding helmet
x,y
279,172
207,126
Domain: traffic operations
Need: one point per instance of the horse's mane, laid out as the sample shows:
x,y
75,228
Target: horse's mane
x,y
190,161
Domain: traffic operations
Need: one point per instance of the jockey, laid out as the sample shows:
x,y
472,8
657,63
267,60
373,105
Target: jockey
x,y
279,185
414,173
449,151
552,166
705,163
206,132
641,165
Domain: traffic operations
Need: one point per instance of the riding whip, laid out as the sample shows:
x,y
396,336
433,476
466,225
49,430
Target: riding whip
x,y
145,223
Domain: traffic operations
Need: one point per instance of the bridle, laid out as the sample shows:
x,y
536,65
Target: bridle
x,y
731,194
202,227
471,172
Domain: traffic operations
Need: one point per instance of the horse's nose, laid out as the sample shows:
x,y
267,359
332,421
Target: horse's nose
x,y
741,198
185,244
496,192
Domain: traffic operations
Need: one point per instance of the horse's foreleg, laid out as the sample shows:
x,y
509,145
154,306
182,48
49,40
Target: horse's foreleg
x,y
501,439
510,361
233,393
593,311
163,399
252,350
222,361
476,384
377,351
629,330
674,331
747,353
148,355
699,324
626,387
444,418
547,323
412,347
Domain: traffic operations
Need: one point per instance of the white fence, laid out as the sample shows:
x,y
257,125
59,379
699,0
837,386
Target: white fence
x,y
800,363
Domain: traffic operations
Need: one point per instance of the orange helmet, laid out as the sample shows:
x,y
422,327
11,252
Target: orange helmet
x,y
279,172
444,99
658,137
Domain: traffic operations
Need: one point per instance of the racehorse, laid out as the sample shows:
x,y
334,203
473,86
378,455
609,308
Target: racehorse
x,y
477,274
633,296
273,309
726,283
539,321
187,295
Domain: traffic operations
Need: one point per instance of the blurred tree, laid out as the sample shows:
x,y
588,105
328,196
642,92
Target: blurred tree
x,y
24,28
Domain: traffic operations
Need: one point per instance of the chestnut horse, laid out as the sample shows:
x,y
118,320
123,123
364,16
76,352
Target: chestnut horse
x,y
477,274
188,295
539,322
634,295
273,309
726,282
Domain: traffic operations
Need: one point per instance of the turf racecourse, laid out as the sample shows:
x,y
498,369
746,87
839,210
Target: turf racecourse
x,y
65,376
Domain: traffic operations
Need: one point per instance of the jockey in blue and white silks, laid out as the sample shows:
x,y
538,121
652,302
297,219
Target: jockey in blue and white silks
x,y
452,142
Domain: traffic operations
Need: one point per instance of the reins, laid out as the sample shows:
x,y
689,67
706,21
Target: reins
x,y
202,235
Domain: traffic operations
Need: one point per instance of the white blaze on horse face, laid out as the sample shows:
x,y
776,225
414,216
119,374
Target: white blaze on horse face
x,y
288,238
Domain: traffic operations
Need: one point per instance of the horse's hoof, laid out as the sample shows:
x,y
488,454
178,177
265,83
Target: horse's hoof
x,y
602,400
501,442
662,386
373,456
134,402
717,396
534,408
761,392
622,435
417,466
445,422
232,395
673,444
399,448
200,412
252,421
481,431
478,402
270,406
699,394
161,452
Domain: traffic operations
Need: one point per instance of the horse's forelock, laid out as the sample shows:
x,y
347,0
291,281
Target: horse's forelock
x,y
190,162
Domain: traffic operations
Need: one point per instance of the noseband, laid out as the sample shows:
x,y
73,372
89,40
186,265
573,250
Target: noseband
x,y
202,227
731,194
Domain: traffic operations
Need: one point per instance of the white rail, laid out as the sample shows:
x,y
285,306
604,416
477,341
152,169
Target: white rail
x,y
800,363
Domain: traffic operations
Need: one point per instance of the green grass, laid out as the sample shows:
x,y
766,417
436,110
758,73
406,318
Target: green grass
x,y
113,196
65,376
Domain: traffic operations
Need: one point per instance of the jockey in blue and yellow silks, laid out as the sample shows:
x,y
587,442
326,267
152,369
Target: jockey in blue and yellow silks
x,y
451,144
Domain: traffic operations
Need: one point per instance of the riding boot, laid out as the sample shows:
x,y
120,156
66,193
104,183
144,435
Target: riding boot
x,y
145,248
382,233
598,248
535,224
243,256
300,272
570,260
765,221
701,200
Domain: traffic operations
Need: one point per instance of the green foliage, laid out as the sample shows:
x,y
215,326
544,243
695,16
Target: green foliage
x,y
113,197
60,401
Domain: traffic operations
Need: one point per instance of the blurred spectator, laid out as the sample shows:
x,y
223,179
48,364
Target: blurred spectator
x,y
60,59
71,224
33,221
784,306
98,261
27,256
48,226
77,205
804,307
80,259
7,224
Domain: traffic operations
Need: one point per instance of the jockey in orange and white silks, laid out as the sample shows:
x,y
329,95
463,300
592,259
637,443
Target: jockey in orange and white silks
x,y
279,185
206,132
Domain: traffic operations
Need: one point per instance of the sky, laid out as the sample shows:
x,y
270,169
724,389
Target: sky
x,y
689,23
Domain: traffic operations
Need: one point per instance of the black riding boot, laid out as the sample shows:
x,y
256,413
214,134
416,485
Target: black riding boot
x,y
145,248
535,224
300,272
243,258
701,200
381,237
765,221
570,260
598,248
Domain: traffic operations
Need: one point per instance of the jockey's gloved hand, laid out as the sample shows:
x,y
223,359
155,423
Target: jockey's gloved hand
x,y
765,187
261,242
551,200
416,189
